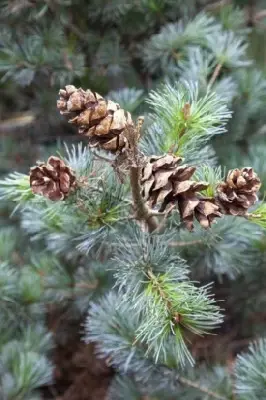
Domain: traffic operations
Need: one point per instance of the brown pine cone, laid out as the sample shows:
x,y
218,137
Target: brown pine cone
x,y
165,182
53,180
238,192
203,209
159,177
102,121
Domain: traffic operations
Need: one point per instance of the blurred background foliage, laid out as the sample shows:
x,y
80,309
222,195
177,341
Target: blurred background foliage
x,y
124,50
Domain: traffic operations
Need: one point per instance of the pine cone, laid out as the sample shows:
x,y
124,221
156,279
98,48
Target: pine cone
x,y
203,209
238,192
166,182
53,180
159,177
102,121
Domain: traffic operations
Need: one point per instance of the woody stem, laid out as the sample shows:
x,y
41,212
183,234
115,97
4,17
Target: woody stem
x,y
142,211
202,389
215,74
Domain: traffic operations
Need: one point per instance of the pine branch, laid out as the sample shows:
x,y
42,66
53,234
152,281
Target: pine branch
x,y
85,285
202,389
171,308
260,15
215,74
217,5
158,288
249,371
170,130
229,49
142,210
186,243
157,303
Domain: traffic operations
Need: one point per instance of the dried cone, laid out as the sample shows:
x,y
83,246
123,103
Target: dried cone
x,y
165,182
53,180
204,209
102,121
158,177
238,192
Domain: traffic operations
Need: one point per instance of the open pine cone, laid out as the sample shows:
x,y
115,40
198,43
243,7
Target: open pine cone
x,y
165,182
104,123
53,180
203,209
158,177
238,192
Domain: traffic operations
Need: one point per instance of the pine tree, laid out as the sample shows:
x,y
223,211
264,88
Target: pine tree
x,y
148,236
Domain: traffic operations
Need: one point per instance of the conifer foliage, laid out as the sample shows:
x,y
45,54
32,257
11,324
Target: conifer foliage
x,y
134,235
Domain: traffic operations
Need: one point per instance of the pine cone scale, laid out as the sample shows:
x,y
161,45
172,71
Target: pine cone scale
x,y
167,161
162,194
182,187
103,129
161,179
146,187
114,144
119,121
184,173
187,206
98,111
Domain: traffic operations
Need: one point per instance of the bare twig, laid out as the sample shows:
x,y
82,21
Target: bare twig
x,y
260,15
17,121
86,285
202,389
215,74
181,244
217,5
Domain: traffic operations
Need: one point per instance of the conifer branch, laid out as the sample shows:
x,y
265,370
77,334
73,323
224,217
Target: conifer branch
x,y
86,285
188,243
260,15
215,74
159,289
202,389
217,5
142,210
143,305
